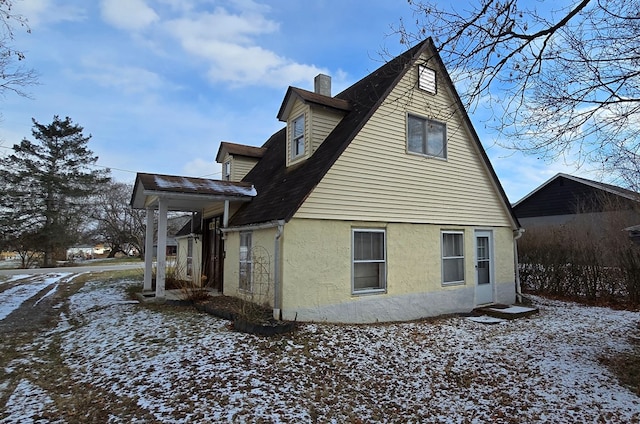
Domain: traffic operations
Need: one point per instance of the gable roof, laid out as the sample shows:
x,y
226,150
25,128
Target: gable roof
x,y
562,193
239,150
310,97
282,190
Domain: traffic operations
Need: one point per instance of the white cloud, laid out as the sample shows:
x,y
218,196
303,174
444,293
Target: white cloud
x,y
131,15
229,43
38,12
127,79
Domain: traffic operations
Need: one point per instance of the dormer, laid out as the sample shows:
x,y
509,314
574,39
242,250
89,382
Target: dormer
x,y
237,159
310,117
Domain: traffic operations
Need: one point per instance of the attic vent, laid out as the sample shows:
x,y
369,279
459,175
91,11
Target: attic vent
x,y
322,85
427,79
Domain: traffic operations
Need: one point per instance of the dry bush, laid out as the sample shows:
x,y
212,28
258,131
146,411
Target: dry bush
x,y
589,258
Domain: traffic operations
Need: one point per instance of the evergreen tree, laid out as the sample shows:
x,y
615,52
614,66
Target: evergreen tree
x,y
47,186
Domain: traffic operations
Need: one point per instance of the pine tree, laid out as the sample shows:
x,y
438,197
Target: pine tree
x,y
47,188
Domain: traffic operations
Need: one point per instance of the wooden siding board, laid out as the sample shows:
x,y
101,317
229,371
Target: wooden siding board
x,y
376,179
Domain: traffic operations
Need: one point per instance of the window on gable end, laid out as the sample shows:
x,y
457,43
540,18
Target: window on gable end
x,y
427,79
426,137
297,137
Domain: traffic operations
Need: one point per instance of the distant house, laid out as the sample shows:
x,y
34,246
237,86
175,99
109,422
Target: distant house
x,y
566,199
376,204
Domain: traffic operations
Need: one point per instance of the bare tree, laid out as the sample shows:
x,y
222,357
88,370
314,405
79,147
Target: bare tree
x,y
120,226
560,78
14,76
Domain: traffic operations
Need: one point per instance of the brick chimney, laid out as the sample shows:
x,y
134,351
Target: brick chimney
x,y
322,84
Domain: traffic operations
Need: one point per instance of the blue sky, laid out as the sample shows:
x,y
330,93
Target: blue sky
x,y
159,83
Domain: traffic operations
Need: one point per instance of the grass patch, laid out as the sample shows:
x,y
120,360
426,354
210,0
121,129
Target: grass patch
x,y
626,366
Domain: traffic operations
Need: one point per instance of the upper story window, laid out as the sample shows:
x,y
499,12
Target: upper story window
x,y
426,137
226,171
297,137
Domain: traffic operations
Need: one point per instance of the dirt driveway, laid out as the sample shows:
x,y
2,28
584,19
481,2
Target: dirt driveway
x,y
33,303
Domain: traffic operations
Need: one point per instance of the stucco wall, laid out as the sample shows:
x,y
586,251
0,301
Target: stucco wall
x,y
316,275
263,257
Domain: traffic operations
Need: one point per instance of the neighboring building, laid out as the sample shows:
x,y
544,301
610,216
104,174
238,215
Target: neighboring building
x,y
565,199
634,233
377,204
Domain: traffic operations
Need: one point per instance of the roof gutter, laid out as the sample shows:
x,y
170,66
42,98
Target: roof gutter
x,y
252,227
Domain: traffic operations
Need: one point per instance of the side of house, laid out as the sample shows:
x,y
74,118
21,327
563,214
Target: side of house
x,y
376,204
408,220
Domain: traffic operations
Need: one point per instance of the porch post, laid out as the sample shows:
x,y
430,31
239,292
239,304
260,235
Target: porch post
x,y
161,267
148,251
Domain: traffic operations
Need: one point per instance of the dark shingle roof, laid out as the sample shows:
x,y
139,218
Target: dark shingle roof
x,y
282,190
240,150
311,97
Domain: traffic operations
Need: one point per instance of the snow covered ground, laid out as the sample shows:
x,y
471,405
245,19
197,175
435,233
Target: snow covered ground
x,y
178,365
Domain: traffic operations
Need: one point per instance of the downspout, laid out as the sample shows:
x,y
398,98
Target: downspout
x,y
516,236
277,313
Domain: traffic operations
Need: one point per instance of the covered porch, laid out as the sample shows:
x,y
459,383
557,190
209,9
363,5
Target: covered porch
x,y
160,194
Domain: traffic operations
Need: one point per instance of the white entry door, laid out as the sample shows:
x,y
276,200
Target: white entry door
x,y
484,267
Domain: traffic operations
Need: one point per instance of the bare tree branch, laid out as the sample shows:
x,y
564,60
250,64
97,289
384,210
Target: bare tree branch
x,y
560,80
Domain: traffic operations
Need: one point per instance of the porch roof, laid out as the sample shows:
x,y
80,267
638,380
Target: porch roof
x,y
187,193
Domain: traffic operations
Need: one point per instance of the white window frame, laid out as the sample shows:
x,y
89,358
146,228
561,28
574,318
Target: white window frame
x,y
226,171
425,123
427,79
382,277
298,143
245,262
452,258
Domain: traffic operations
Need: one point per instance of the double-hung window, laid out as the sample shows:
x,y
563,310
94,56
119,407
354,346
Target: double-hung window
x,y
297,137
426,137
246,263
452,257
369,260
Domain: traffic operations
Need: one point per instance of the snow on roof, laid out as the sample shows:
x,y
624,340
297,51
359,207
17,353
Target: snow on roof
x,y
206,186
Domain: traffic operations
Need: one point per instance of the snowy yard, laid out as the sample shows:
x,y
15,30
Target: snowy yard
x,y
111,360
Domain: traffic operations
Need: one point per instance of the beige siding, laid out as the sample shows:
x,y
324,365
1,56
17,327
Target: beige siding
x,y
322,122
375,179
240,166
299,108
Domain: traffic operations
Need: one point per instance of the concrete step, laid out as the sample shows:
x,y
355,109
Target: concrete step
x,y
506,311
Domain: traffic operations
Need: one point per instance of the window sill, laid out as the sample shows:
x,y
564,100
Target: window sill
x,y
368,292
453,283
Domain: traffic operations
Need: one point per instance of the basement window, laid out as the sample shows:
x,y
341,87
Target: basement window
x,y
369,261
452,257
